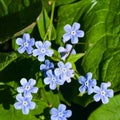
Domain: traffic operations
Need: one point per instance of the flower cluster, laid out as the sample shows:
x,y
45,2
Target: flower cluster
x,y
61,113
90,85
24,97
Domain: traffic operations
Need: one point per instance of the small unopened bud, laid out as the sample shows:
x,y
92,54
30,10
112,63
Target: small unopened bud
x,y
49,3
109,84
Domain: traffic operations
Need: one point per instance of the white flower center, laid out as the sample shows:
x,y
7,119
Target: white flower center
x,y
64,70
27,87
25,44
86,83
42,50
25,103
73,32
60,114
53,79
102,92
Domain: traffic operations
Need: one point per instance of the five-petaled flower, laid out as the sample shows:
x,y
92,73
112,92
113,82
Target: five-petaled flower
x,y
64,52
61,113
25,43
42,50
88,83
102,93
72,32
52,80
27,87
65,71
24,103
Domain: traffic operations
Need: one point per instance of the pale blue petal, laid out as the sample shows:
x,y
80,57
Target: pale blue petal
x,y
89,76
67,28
42,67
82,89
104,99
32,105
54,117
54,111
74,39
61,49
104,86
38,44
19,41
75,26
97,97
47,80
32,41
68,65
36,52
90,90
23,81
52,85
73,52
68,113
80,33
32,82
34,90
82,80
109,93
97,89
19,97
25,110
68,47
57,71
29,50
41,57
61,107
26,36
47,44
20,89
21,49
18,105
60,64
49,52
66,37
49,73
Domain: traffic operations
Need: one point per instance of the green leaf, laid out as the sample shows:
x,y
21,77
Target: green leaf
x,y
74,58
101,25
43,23
108,111
6,59
15,15
68,14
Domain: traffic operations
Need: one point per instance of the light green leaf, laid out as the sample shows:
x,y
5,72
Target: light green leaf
x,y
110,111
43,23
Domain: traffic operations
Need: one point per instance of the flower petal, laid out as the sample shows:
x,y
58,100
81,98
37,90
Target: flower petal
x,y
82,89
89,76
42,67
18,105
19,41
26,36
61,107
110,93
41,57
36,52
47,80
66,37
80,33
75,26
54,117
38,44
57,71
29,50
47,44
32,82
25,110
74,39
82,80
52,85
68,65
21,49
67,28
23,81
54,111
97,97
61,49
32,105
68,113
20,89
104,99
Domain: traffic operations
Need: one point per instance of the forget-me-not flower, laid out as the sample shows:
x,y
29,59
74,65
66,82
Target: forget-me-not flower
x,y
25,43
65,71
52,80
72,32
24,103
27,86
47,66
102,93
61,113
42,50
88,83
64,52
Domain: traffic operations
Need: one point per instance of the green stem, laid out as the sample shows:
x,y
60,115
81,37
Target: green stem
x,y
51,21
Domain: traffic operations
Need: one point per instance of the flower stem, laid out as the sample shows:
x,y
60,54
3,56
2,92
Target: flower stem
x,y
51,20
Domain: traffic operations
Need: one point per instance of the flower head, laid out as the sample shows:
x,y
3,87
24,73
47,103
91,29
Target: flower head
x,y
66,51
88,83
102,93
27,87
24,103
42,50
47,66
52,80
25,43
64,71
61,113
72,32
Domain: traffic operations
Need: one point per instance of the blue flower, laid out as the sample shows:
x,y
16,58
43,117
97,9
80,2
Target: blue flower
x,y
66,51
52,80
27,87
72,32
25,43
24,103
42,50
61,113
88,83
47,66
65,71
102,93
